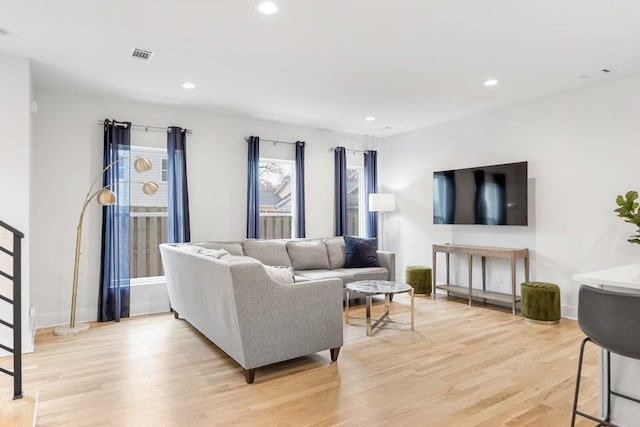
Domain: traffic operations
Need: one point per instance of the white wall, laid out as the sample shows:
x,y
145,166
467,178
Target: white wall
x,y
15,182
68,154
582,148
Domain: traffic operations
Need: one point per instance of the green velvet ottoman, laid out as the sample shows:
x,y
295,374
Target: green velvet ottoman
x,y
540,302
419,277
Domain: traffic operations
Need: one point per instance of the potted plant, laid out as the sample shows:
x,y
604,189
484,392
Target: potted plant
x,y
629,209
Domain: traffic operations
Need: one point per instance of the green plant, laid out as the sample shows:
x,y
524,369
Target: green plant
x,y
628,209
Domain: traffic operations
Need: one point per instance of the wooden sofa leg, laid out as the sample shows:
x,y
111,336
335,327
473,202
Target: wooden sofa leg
x,y
334,353
175,313
249,375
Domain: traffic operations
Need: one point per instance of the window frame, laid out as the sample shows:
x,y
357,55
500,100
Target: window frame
x,y
294,216
361,199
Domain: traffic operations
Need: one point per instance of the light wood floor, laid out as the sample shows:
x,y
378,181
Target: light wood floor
x,y
461,366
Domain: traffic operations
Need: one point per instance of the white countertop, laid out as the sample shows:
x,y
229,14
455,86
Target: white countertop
x,y
626,276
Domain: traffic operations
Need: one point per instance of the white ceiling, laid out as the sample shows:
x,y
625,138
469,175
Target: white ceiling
x,y
328,63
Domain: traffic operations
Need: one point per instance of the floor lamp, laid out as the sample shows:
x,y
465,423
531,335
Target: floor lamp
x,y
104,196
382,202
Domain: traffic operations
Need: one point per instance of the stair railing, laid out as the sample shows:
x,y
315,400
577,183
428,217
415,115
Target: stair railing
x,y
16,278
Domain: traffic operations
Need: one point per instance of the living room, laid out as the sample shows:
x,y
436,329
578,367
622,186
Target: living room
x,y
579,138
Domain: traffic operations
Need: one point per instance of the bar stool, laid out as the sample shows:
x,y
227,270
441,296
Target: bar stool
x,y
610,320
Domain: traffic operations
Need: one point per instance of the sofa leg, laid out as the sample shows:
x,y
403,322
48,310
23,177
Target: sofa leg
x,y
334,353
175,313
249,375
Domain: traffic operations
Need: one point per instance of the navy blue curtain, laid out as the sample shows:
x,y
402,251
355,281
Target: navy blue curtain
x,y
253,189
178,212
300,222
113,297
340,180
370,186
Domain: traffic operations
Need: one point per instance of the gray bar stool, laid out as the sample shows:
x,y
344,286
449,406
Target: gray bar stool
x,y
610,320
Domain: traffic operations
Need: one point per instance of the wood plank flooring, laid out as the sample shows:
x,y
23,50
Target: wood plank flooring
x,y
462,366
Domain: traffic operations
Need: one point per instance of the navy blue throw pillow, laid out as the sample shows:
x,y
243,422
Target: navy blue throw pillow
x,y
360,252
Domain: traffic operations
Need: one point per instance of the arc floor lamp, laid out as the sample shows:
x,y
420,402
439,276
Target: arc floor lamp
x,y
104,196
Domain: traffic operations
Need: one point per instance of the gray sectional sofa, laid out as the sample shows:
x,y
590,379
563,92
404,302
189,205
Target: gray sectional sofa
x,y
265,301
311,259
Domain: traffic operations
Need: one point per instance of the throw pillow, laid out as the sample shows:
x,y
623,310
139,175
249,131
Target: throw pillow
x,y
239,259
233,248
308,254
360,252
336,252
282,275
268,252
213,253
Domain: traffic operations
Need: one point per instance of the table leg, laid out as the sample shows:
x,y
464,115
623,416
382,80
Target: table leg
x,y
433,276
484,277
346,309
470,265
412,309
368,315
387,299
513,283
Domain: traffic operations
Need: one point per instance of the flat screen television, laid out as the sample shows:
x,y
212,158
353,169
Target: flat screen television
x,y
488,195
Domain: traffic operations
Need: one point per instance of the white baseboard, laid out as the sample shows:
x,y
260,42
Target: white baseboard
x,y
569,312
145,299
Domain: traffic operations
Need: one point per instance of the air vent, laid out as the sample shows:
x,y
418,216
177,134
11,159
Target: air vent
x,y
601,72
145,55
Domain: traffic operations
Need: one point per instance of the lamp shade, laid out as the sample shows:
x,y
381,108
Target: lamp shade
x,y
142,164
150,188
106,197
382,202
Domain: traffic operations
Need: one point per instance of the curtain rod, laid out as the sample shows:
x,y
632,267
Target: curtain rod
x,y
352,150
145,127
275,141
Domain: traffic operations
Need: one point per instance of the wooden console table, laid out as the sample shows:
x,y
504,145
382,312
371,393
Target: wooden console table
x,y
484,252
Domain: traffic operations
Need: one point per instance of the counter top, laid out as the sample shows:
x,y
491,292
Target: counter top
x,y
626,276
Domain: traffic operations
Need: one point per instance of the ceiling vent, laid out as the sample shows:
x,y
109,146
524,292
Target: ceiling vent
x,y
145,55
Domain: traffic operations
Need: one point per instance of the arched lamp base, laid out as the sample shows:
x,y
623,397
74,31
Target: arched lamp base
x,y
66,330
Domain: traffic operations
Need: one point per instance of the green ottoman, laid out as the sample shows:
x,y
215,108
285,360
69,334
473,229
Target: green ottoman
x,y
540,302
419,277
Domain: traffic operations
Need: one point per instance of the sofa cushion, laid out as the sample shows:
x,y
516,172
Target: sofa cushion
x,y
325,274
308,254
300,279
365,273
360,252
233,248
282,275
335,251
269,252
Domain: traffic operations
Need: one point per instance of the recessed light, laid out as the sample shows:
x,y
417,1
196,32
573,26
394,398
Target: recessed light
x,y
370,118
491,82
267,7
188,85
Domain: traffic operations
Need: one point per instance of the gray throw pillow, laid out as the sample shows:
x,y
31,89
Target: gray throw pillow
x,y
360,252
335,251
268,252
213,253
282,275
233,248
308,254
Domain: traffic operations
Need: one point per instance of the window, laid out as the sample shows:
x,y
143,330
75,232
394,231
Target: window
x,y
355,200
148,216
165,170
276,198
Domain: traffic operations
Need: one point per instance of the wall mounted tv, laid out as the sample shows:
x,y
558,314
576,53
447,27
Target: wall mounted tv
x,y
488,195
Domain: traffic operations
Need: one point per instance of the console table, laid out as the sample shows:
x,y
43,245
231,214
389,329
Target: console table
x,y
484,252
